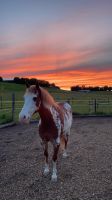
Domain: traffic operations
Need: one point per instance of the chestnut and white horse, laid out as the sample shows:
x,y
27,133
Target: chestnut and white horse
x,y
55,121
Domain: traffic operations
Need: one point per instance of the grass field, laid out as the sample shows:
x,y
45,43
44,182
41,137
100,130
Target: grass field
x,y
82,103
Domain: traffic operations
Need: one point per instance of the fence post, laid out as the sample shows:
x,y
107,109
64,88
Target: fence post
x,y
68,101
90,107
1,105
108,100
13,106
95,105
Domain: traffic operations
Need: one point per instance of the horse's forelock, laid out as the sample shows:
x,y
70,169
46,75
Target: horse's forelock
x,y
32,89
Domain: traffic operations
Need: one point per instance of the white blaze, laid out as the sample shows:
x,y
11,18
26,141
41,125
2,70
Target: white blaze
x,y
29,107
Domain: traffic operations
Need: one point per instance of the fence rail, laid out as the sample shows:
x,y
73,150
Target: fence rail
x,y
9,109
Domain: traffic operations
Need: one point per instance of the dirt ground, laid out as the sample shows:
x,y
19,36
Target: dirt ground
x,y
85,175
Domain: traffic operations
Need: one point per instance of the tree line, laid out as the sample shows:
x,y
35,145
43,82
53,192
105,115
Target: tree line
x,y
44,83
31,81
91,88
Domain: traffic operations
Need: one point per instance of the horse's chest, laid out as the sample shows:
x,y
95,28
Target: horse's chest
x,y
51,126
48,131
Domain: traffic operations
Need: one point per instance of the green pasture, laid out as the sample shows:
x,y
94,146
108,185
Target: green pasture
x,y
82,103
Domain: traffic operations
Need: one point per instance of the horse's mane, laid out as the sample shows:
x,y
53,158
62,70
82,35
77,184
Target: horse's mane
x,y
48,101
46,98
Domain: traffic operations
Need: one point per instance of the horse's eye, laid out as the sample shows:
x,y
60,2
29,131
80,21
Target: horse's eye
x,y
34,99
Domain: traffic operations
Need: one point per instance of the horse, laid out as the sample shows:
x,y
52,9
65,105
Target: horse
x,y
54,124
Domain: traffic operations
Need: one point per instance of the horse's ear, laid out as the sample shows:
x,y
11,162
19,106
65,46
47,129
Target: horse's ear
x,y
27,85
37,85
38,88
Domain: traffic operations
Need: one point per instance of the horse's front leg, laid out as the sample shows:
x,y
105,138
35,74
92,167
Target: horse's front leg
x,y
46,168
54,172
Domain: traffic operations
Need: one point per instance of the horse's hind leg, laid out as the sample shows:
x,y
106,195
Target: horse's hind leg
x,y
54,173
65,147
46,169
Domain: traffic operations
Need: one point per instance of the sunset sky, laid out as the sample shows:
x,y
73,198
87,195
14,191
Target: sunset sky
x,y
66,42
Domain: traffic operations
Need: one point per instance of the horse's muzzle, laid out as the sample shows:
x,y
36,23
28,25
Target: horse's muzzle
x,y
24,119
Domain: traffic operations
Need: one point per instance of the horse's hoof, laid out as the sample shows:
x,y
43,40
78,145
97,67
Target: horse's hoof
x,y
54,178
46,172
65,155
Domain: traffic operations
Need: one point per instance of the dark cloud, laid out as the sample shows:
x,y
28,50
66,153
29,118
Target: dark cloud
x,y
80,68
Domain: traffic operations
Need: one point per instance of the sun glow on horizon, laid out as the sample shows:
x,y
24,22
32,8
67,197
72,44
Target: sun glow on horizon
x,y
71,48
66,70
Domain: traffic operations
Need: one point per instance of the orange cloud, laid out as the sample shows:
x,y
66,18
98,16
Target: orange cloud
x,y
64,68
66,80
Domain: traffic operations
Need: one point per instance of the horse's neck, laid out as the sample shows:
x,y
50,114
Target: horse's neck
x,y
45,113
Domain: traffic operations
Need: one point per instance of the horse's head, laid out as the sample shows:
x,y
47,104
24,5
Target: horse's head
x,y
31,102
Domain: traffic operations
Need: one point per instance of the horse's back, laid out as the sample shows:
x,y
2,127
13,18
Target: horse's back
x,y
66,106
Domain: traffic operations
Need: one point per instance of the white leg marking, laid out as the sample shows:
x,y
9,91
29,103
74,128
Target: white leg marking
x,y
46,169
54,174
65,153
58,140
